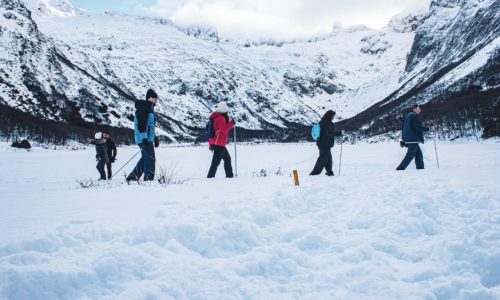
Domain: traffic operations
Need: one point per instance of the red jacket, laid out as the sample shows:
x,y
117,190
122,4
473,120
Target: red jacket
x,y
221,129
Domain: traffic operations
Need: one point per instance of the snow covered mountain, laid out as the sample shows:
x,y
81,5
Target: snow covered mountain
x,y
64,64
453,68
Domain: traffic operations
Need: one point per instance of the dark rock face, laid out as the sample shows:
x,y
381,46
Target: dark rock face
x,y
308,86
375,44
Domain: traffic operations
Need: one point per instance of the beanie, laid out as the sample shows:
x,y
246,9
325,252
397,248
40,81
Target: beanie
x,y
151,94
222,107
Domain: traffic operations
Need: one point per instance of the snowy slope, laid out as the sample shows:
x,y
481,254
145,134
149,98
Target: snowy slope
x,y
370,233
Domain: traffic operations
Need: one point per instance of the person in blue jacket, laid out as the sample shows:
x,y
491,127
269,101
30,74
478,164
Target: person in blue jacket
x,y
413,135
144,134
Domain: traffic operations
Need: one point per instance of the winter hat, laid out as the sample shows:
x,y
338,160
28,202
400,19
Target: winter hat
x,y
222,108
98,136
151,94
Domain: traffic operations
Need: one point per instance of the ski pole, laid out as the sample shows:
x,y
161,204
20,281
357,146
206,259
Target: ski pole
x,y
125,164
340,160
435,149
235,153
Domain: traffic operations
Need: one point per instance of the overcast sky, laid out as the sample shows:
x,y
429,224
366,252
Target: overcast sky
x,y
262,19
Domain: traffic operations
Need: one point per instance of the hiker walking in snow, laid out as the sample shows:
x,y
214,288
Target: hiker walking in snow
x,y
413,135
101,154
111,147
144,134
325,144
218,138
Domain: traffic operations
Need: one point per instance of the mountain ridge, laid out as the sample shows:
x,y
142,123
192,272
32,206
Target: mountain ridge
x,y
99,65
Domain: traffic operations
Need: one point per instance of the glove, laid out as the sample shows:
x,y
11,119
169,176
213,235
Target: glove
x,y
157,142
402,144
113,160
234,122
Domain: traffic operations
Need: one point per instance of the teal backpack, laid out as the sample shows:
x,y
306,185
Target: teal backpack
x,y
316,131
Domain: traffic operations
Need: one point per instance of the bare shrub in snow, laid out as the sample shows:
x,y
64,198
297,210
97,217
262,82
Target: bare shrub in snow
x,y
86,183
265,173
279,172
167,175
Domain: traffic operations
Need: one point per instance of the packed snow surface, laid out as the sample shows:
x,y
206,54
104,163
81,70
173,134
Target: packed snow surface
x,y
371,233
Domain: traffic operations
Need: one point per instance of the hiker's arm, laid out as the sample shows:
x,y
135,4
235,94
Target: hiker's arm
x,y
220,123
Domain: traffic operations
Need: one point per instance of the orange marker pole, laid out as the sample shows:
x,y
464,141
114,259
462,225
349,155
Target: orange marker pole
x,y
296,177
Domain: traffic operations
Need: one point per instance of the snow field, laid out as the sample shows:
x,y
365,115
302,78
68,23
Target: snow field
x,y
371,233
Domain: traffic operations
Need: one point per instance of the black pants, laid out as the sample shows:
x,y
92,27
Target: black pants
x,y
414,151
324,161
220,153
110,172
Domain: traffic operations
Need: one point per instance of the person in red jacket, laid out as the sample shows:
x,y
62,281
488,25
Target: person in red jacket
x,y
218,142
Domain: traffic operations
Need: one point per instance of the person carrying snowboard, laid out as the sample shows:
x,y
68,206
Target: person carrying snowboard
x,y
101,153
413,135
144,134
220,127
325,144
111,147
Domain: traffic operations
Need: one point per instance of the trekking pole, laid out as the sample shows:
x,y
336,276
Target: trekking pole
x,y
435,149
125,164
235,153
340,160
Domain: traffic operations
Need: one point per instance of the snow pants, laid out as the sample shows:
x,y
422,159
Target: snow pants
x,y
146,165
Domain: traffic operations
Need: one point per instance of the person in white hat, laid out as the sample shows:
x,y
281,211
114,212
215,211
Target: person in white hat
x,y
101,154
218,130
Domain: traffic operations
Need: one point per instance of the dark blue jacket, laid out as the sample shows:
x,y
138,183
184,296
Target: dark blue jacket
x,y
413,131
327,134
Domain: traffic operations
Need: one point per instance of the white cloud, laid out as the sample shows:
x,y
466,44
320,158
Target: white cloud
x,y
280,19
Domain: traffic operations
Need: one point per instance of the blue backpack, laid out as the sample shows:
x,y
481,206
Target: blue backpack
x,y
210,128
316,131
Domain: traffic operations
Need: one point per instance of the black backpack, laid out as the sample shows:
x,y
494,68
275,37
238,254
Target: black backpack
x,y
210,128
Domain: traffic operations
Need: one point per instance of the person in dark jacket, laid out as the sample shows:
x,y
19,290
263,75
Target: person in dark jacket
x,y
111,146
101,154
413,135
325,144
144,133
218,143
